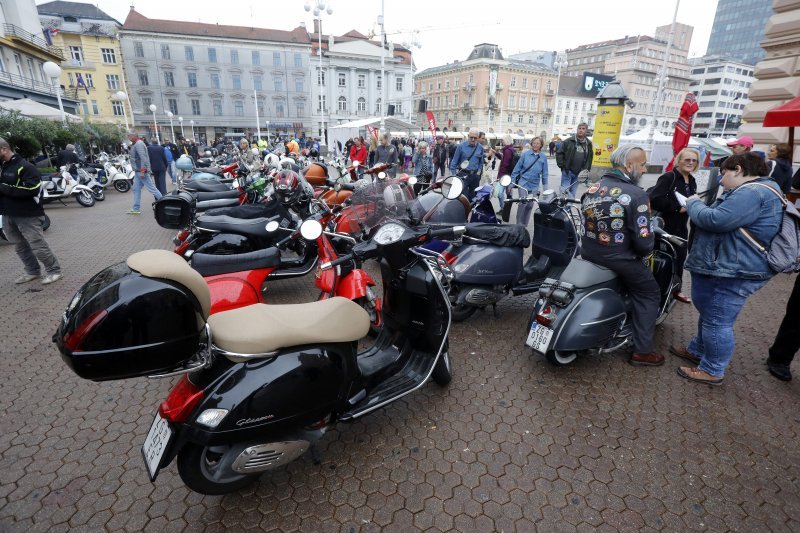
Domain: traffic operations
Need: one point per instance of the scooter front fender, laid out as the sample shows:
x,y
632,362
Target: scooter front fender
x,y
354,285
589,321
78,188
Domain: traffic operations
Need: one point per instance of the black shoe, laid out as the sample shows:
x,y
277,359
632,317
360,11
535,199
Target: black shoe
x,y
780,371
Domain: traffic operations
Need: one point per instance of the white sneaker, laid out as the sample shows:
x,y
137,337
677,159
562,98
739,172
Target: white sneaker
x,y
25,278
50,278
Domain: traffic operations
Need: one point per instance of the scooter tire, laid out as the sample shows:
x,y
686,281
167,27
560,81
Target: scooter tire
x,y
98,193
85,198
196,468
375,323
122,185
442,373
46,223
561,358
462,312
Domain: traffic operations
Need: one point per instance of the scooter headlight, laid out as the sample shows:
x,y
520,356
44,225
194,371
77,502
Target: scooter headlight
x,y
212,417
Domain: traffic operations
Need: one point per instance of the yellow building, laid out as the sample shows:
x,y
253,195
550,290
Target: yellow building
x,y
92,71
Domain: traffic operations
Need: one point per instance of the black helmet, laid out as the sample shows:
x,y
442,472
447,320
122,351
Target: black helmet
x,y
287,186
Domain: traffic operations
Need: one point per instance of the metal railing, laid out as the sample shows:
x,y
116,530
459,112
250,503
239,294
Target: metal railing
x,y
35,40
76,63
27,83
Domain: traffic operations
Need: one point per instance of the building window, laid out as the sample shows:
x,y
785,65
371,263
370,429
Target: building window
x,y
172,105
257,85
549,85
237,81
215,80
320,77
321,103
189,52
138,49
238,108
342,103
234,57
192,79
256,57
278,83
534,84
342,79
279,109
398,84
298,85
522,101
300,109
146,101
455,100
143,77
95,109
212,55
510,118
513,81
519,119
378,107
530,119
362,81
85,106
165,51
524,83
380,82
216,104
195,107
260,107
298,60
76,53
169,79
447,84
544,120
362,104
398,109
511,100
455,84
117,109
109,56
112,81
276,59
70,79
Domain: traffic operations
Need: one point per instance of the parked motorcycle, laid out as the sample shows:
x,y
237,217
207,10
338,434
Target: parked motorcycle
x,y
587,309
63,185
86,176
263,383
113,173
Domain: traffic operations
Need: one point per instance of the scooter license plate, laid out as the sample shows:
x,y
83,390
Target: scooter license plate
x,y
539,337
155,445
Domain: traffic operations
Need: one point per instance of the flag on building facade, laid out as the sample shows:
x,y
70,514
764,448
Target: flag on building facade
x,y
81,83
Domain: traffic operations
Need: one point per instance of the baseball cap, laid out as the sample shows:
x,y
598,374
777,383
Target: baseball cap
x,y
744,140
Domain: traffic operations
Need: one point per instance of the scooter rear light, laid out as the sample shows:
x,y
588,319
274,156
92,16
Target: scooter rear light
x,y
75,338
449,257
182,235
181,401
182,247
546,316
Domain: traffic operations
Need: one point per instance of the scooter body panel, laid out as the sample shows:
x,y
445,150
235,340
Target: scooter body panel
x,y
237,289
354,285
590,320
487,264
223,243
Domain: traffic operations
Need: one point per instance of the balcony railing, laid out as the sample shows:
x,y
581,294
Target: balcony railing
x,y
35,40
469,87
27,83
76,63
549,92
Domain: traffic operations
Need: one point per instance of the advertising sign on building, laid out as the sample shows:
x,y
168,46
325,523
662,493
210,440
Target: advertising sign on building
x,y
594,83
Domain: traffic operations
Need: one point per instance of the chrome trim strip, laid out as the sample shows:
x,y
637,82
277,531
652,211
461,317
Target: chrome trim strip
x,y
279,274
601,321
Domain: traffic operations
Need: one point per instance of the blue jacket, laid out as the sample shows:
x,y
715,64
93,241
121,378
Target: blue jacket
x,y
719,249
535,171
417,162
464,152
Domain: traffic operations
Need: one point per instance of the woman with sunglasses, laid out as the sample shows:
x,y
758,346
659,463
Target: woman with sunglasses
x,y
664,200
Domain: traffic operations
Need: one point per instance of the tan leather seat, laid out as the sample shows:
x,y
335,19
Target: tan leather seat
x,y
169,265
261,328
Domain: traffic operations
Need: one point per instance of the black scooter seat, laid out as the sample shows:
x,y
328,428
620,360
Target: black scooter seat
x,y
205,186
261,329
216,195
210,170
256,227
212,265
582,274
511,235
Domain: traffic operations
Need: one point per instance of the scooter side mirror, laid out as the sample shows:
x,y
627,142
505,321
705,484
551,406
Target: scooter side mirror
x,y
356,163
658,222
412,180
311,230
464,165
505,181
452,188
272,226
381,175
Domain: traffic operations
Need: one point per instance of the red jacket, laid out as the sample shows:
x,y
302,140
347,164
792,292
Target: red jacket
x,y
359,154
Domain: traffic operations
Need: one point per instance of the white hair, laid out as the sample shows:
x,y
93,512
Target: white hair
x,y
422,144
621,156
474,131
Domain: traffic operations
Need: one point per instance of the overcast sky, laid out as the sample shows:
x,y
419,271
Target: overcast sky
x,y
449,29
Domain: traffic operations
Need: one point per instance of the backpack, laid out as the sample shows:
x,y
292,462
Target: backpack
x,y
783,252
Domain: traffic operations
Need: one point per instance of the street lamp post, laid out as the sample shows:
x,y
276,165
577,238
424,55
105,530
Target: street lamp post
x,y
268,131
171,127
191,123
413,44
180,121
53,71
383,70
561,62
121,97
321,7
155,126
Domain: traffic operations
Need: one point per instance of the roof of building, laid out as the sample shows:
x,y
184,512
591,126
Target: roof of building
x,y
138,22
74,9
354,35
628,39
485,51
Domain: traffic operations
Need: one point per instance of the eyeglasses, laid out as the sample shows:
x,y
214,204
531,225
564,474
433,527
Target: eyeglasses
x,y
689,160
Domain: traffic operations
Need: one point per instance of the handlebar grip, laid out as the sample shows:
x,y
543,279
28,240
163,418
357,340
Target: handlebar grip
x,y
573,201
330,264
452,232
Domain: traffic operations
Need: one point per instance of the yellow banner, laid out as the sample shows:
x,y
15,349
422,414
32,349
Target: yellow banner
x,y
607,127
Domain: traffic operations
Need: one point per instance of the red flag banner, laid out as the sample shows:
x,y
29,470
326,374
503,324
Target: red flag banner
x,y
373,131
683,127
431,122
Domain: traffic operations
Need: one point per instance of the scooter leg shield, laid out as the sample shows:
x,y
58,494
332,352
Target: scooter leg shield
x,y
354,285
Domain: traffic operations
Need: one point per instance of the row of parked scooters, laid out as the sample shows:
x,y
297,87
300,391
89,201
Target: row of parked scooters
x,y
260,384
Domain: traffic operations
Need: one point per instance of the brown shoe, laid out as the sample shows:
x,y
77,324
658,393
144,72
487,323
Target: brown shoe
x,y
647,359
678,295
682,352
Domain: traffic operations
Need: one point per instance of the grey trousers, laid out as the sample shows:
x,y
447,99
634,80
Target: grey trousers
x,y
644,293
27,234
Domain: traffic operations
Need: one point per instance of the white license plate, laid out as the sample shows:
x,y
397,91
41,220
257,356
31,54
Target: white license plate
x,y
539,337
155,445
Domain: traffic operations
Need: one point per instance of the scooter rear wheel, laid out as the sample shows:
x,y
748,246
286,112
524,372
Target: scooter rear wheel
x,y
122,185
98,193
207,470
462,312
561,358
85,198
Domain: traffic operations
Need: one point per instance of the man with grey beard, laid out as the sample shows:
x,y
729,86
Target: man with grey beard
x,y
617,234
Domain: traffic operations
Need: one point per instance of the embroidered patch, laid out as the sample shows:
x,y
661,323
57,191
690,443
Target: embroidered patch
x,y
644,233
624,199
607,199
604,238
616,191
602,191
642,208
642,221
617,210
593,188
602,226
591,235
619,237
590,225
617,224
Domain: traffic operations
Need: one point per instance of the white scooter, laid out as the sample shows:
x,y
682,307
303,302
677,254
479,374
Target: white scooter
x,y
88,176
117,172
63,185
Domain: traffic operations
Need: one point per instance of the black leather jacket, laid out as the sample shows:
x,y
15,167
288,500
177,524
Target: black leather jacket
x,y
20,188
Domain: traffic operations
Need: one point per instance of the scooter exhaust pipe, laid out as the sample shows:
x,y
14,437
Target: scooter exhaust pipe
x,y
263,457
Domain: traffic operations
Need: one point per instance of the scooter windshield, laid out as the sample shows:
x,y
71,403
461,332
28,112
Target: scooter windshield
x,y
375,202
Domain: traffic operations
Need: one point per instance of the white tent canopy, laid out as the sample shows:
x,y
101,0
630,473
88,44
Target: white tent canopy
x,y
338,135
32,108
642,135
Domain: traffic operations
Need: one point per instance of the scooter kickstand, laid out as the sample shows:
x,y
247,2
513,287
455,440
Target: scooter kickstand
x,y
316,456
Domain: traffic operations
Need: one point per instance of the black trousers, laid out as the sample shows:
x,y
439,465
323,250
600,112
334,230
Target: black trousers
x,y
644,294
437,169
787,341
160,178
472,182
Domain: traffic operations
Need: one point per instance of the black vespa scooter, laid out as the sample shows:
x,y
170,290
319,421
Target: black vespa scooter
x,y
261,384
587,310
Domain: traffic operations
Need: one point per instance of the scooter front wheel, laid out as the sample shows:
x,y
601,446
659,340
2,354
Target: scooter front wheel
x,y
462,312
561,358
207,470
122,185
98,193
442,372
85,198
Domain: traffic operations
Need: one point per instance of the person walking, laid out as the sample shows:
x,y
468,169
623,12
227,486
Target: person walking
x,y
505,169
573,158
142,177
172,153
552,148
158,165
787,340
439,156
471,152
530,174
387,153
23,216
780,162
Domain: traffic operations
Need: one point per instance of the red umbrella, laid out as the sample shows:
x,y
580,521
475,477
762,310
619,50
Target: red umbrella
x,y
787,115
683,127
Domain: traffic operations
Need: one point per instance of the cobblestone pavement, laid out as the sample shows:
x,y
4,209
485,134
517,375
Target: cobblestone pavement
x,y
513,444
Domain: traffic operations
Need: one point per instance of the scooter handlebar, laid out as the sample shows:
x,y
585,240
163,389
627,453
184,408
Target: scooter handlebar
x,y
330,264
447,233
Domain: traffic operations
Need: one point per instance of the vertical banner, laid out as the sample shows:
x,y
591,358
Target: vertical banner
x,y
431,122
606,133
373,131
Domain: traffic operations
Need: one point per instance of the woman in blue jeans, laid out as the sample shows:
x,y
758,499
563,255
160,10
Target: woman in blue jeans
x,y
726,268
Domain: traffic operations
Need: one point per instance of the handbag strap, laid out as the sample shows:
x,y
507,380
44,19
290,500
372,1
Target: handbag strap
x,y
749,236
531,165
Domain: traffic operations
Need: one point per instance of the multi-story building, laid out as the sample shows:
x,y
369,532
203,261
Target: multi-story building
x,y
216,78
637,62
487,91
350,86
543,57
92,71
573,107
721,87
23,52
738,30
